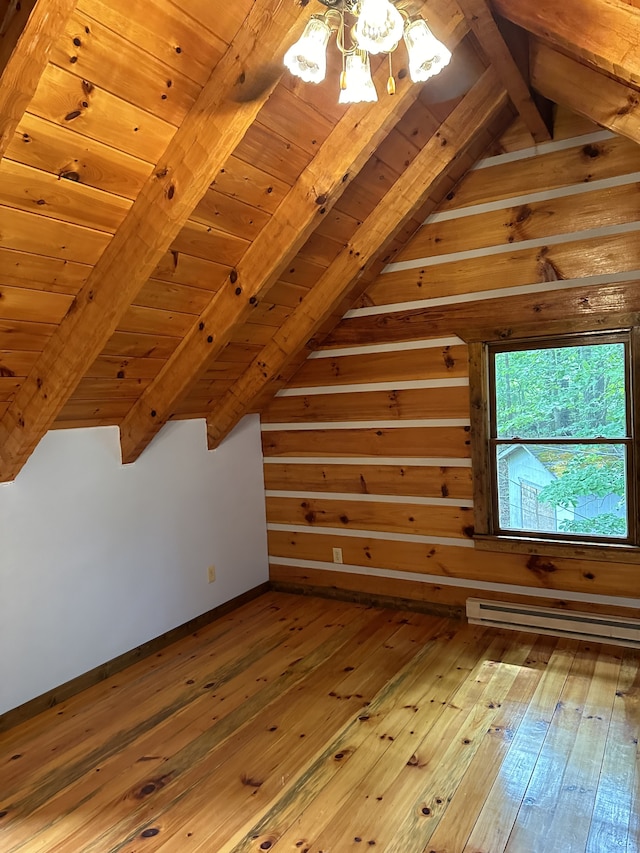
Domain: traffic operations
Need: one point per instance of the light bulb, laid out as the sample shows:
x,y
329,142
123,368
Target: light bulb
x,y
359,85
427,55
379,26
307,58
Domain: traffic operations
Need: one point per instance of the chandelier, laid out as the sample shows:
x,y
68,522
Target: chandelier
x,y
365,27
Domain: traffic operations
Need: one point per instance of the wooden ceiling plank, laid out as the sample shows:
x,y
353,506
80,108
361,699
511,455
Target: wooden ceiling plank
x,y
292,118
186,269
475,112
154,321
273,153
209,244
158,28
222,19
92,413
23,335
93,52
111,367
169,296
22,269
587,92
497,51
16,363
239,179
341,157
128,345
220,117
40,235
584,28
231,215
88,110
99,388
37,306
34,191
65,154
20,71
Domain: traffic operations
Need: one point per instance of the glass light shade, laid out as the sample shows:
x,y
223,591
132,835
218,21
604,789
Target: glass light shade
x,y
427,55
379,26
307,58
359,85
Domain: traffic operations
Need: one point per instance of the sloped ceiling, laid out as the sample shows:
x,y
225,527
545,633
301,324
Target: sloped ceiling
x,y
180,223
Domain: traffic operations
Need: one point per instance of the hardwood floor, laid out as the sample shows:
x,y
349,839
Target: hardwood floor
x,y
308,725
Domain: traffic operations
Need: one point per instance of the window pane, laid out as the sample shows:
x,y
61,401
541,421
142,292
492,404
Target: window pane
x,y
577,489
576,392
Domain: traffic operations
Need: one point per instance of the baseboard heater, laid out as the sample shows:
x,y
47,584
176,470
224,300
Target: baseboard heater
x,y
559,623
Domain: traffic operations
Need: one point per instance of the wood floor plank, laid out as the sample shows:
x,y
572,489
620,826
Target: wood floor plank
x,y
498,814
634,824
613,807
454,829
580,780
305,724
538,808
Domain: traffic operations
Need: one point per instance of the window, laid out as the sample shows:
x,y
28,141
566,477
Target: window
x,y
554,445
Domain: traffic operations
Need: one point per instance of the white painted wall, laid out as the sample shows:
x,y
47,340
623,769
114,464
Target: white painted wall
x,y
97,558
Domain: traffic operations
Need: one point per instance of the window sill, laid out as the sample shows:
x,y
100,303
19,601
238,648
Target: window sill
x,y
558,548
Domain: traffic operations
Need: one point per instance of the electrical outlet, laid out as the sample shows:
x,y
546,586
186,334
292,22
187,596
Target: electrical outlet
x,y
212,573
337,555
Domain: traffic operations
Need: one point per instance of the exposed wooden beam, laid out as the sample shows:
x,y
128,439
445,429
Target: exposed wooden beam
x,y
497,52
456,133
606,33
221,115
585,91
24,54
345,151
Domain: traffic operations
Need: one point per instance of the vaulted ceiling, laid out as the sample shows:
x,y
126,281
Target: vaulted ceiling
x,y
180,222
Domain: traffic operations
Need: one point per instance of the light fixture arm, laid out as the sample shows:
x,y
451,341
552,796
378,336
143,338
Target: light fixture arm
x,y
339,5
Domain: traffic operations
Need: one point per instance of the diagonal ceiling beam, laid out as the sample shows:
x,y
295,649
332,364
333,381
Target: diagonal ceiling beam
x,y
606,33
497,51
457,132
24,54
216,123
587,92
350,144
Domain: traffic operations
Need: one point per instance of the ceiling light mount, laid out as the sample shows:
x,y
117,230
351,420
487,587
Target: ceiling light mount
x,y
363,28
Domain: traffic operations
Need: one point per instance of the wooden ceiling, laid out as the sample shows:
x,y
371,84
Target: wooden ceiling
x,y
180,222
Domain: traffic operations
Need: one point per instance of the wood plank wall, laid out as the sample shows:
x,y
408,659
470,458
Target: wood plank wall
x,y
367,449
